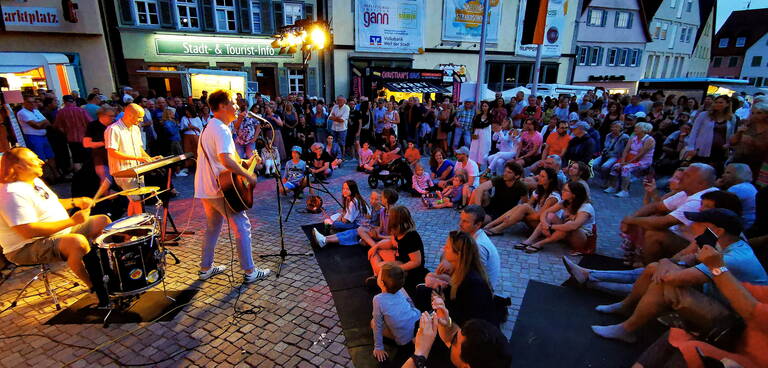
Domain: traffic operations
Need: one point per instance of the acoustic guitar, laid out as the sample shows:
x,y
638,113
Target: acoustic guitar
x,y
238,192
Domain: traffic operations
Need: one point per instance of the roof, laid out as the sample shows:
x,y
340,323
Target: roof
x,y
750,24
647,10
706,7
695,80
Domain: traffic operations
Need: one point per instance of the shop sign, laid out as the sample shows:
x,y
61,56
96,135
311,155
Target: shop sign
x,y
605,78
394,26
30,16
553,31
462,20
451,70
215,47
408,75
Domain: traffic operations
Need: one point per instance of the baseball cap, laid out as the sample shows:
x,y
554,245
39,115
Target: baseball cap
x,y
630,117
573,116
68,98
463,151
581,124
640,115
296,148
719,217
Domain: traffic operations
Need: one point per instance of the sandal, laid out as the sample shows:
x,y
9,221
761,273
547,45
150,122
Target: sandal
x,y
521,246
492,233
532,249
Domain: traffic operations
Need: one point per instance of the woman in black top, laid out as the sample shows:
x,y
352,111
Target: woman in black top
x,y
469,294
404,246
481,134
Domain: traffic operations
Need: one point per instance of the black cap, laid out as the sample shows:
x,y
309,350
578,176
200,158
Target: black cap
x,y
68,98
720,217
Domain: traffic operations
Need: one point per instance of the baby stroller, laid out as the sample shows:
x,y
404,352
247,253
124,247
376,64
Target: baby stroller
x,y
396,173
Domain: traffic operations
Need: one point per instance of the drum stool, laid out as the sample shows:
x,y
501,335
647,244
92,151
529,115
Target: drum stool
x,y
44,270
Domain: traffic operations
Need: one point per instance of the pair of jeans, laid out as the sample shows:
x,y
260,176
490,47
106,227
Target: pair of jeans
x,y
614,282
602,166
340,137
245,150
458,134
216,211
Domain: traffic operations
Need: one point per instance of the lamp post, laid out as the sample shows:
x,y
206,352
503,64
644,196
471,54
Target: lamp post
x,y
305,35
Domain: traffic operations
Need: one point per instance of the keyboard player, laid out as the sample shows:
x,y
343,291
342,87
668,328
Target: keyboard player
x,y
125,150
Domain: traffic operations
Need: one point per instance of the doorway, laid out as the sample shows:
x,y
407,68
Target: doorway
x,y
265,76
164,87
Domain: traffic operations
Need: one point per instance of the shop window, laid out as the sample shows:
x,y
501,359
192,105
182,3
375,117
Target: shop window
x,y
187,12
717,62
146,12
596,18
723,43
733,61
623,19
296,81
292,12
225,16
757,60
255,16
741,41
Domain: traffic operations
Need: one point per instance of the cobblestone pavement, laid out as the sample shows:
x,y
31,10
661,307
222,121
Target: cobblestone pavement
x,y
298,325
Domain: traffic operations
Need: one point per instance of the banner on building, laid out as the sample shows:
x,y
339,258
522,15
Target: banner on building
x,y
394,26
553,30
462,20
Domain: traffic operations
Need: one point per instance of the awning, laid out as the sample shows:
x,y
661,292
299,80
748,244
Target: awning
x,y
17,68
415,87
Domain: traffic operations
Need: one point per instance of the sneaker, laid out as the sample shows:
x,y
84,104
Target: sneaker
x,y
622,194
213,271
609,190
182,172
319,237
256,275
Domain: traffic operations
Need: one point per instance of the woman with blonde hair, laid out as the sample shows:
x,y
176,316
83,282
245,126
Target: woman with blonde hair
x,y
637,156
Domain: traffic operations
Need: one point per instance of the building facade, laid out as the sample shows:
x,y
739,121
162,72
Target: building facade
x,y
611,39
507,66
738,34
755,66
698,65
44,44
673,30
156,41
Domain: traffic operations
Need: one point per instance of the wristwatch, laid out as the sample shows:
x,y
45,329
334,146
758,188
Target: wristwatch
x,y
419,361
717,271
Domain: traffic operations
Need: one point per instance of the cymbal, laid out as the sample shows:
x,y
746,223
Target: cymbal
x,y
140,191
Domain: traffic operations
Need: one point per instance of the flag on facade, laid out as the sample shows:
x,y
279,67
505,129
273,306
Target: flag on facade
x,y
535,22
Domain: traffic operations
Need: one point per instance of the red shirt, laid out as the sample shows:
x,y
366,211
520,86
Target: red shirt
x,y
73,121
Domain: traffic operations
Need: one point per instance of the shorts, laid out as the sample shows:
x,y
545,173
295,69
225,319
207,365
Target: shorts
x,y
78,152
45,250
39,145
291,185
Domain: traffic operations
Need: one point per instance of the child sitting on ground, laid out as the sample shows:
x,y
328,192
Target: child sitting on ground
x,y
394,314
455,195
377,229
293,174
422,184
271,158
366,160
412,154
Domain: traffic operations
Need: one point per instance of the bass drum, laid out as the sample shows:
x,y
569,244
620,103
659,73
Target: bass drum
x,y
143,219
132,260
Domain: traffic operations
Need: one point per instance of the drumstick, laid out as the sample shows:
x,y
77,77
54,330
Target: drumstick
x,y
111,196
102,189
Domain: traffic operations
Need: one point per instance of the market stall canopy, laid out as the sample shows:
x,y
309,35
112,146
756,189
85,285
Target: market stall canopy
x,y
512,92
415,87
20,62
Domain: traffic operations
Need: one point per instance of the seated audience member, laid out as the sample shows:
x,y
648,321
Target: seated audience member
x,y
620,282
365,162
390,150
582,146
294,173
687,291
673,151
637,156
350,216
553,162
352,236
455,195
441,168
530,144
579,172
557,141
271,158
651,194
422,183
547,194
663,226
572,220
748,301
507,140
321,163
377,229
470,167
394,315
613,147
501,193
405,247
334,151
737,180
412,154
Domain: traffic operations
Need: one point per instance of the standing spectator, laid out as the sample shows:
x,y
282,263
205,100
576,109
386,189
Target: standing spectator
x,y
276,125
481,134
711,133
172,133
320,121
354,129
339,117
192,126
94,141
93,105
634,106
750,142
499,111
444,125
33,125
463,125
72,121
291,120
378,119
79,101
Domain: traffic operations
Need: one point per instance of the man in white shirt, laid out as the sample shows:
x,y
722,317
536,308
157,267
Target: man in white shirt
x,y
34,224
340,117
125,150
216,152
33,124
465,163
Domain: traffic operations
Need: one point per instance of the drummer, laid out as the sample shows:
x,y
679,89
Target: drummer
x,y
34,224
125,150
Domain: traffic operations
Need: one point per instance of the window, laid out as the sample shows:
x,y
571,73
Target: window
x,y
759,82
673,4
613,55
187,12
723,43
225,16
683,31
733,61
623,19
688,36
295,80
503,76
594,56
656,30
689,6
664,28
648,65
635,58
292,12
757,60
255,16
717,62
146,12
596,18
623,57
741,41
582,55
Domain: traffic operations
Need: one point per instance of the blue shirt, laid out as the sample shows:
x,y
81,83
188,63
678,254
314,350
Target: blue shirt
x,y
294,172
378,114
396,311
633,109
172,131
741,262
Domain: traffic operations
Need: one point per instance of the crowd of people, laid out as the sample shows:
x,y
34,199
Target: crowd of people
x,y
699,249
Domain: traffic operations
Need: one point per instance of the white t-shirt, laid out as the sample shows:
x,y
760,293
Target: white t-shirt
x,y
194,122
678,207
21,203
215,139
588,208
472,170
489,257
343,113
125,140
24,116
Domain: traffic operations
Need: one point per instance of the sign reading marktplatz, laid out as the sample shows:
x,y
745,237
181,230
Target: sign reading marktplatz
x,y
216,46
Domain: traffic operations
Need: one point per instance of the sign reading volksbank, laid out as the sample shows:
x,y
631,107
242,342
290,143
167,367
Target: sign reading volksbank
x,y
213,46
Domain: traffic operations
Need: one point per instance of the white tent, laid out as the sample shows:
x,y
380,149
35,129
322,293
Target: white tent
x,y
512,92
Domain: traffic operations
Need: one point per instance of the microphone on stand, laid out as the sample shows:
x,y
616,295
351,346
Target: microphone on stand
x,y
260,118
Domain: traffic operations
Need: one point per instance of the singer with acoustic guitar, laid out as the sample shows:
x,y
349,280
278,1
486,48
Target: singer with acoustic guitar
x,y
216,153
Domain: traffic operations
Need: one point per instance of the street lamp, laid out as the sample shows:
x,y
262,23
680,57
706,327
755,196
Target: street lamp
x,y
305,35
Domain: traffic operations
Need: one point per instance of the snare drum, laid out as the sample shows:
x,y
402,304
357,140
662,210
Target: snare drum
x,y
132,259
143,219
